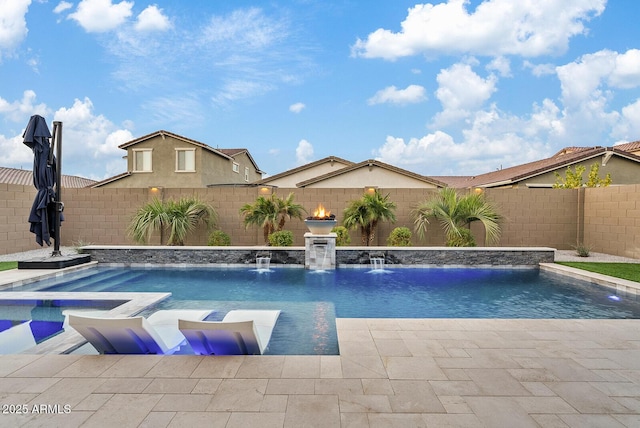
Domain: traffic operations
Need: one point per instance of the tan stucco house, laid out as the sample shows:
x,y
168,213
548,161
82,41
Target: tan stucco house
x,y
167,160
290,178
334,172
624,167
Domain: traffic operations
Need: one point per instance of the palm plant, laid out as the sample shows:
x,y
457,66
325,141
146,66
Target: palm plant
x,y
365,214
287,209
263,213
455,213
271,213
178,218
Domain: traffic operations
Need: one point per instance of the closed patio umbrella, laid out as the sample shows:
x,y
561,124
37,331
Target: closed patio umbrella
x,y
42,217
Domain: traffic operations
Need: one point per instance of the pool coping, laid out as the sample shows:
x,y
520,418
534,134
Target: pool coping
x,y
622,286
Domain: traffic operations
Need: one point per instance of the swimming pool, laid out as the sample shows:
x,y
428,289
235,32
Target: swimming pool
x,y
311,301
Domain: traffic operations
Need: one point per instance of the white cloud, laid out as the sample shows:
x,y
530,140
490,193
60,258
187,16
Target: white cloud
x,y
87,135
490,142
21,110
152,19
297,107
13,25
98,16
410,95
62,6
581,79
628,126
502,65
461,91
13,152
494,28
539,70
626,70
304,152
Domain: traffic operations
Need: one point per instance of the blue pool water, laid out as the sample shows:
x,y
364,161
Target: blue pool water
x,y
310,301
46,315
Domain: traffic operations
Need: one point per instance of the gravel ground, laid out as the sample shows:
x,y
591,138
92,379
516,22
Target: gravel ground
x,y
571,256
34,254
561,256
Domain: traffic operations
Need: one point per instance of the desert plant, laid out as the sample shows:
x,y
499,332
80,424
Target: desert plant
x,y
218,238
456,213
270,213
281,238
464,239
399,237
177,218
573,178
288,209
582,250
365,214
342,236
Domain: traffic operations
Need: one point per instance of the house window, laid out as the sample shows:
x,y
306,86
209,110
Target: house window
x,y
185,160
246,174
236,167
142,160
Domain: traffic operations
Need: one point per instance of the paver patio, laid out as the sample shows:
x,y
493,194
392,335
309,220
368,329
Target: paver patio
x,y
391,372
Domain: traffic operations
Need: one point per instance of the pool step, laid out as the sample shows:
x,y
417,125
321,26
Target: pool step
x,y
97,282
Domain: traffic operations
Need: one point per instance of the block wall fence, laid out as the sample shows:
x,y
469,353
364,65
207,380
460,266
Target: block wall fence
x,y
606,219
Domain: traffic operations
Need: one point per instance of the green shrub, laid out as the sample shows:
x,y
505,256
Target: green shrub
x,y
283,238
342,237
464,239
218,238
399,237
582,250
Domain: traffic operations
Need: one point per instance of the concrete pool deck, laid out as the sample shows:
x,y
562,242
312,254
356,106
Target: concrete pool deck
x,y
390,372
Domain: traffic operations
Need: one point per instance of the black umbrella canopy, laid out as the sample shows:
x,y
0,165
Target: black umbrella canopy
x,y
36,137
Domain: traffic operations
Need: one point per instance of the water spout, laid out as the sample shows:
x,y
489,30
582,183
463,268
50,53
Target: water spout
x,y
377,262
263,262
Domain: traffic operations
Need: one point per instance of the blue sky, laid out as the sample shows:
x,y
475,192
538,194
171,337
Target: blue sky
x,y
444,88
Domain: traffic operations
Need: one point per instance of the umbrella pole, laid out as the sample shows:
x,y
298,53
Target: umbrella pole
x,y
57,138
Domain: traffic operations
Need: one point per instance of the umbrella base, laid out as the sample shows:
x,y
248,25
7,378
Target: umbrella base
x,y
57,262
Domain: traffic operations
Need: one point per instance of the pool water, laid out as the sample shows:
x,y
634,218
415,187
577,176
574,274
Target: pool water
x,y
46,316
310,301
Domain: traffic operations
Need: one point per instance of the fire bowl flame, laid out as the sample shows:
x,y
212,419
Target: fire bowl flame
x,y
321,222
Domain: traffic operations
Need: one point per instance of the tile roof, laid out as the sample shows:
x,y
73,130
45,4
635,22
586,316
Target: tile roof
x,y
628,147
24,177
563,158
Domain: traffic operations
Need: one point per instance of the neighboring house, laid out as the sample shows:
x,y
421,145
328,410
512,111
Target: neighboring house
x,y
371,174
164,159
24,177
623,166
633,147
289,179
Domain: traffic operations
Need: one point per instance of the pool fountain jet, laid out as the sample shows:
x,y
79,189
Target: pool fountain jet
x,y
376,261
320,242
263,261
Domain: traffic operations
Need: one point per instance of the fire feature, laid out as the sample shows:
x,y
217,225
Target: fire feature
x,y
321,222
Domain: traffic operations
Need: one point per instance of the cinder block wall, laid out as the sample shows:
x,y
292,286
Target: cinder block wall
x,y
533,217
15,205
612,220
537,217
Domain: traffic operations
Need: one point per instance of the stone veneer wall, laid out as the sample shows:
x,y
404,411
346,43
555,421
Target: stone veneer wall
x,y
295,256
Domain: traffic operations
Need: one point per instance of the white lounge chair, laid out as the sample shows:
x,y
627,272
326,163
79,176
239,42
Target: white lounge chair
x,y
17,339
157,334
241,332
